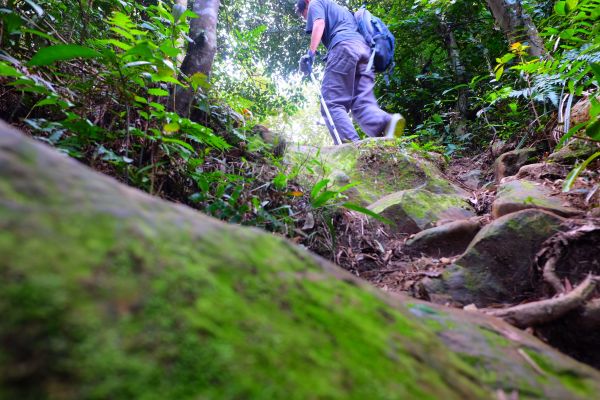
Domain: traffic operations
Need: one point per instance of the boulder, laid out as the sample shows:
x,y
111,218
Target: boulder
x,y
473,179
575,150
378,166
497,267
508,164
542,171
519,195
414,210
447,240
110,293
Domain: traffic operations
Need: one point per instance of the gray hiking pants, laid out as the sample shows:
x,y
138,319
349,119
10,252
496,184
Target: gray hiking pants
x,y
348,86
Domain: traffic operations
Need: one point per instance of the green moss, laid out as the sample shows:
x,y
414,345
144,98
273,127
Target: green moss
x,y
420,206
110,294
572,380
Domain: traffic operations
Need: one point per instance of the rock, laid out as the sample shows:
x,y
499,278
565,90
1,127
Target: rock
x,y
497,267
418,209
575,150
443,241
519,195
508,164
110,293
472,179
380,167
542,171
275,140
498,147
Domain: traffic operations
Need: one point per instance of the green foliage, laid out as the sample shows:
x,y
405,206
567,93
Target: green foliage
x,y
568,184
61,52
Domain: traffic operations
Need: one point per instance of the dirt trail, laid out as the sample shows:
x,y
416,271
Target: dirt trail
x,y
379,255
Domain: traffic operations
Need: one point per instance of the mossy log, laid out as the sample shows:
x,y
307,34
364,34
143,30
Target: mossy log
x,y
107,292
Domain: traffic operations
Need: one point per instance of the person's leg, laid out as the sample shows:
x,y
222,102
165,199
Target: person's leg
x,y
337,90
372,119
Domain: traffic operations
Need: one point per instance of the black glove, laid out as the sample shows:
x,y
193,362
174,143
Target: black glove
x,y
306,62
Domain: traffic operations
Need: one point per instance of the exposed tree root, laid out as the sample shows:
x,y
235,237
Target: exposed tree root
x,y
590,316
549,274
554,249
544,311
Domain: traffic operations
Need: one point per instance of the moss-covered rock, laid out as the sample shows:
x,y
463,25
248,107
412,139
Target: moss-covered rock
x,y
447,240
414,210
520,195
497,267
379,166
508,164
575,150
109,293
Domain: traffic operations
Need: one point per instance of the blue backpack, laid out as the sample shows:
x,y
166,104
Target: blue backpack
x,y
379,37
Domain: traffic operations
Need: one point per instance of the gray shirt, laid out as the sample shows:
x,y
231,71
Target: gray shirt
x,y
340,24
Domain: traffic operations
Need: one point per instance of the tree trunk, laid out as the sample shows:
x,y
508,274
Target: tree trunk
x,y
462,100
201,53
516,24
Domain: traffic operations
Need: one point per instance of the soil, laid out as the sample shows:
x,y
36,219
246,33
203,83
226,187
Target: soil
x,y
373,252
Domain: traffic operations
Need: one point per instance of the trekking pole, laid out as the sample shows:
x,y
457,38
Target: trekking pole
x,y
335,132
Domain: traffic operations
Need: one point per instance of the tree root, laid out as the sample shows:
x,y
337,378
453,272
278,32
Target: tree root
x,y
590,316
553,251
544,311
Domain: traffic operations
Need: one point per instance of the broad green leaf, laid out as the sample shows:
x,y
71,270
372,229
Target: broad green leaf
x,y
181,143
199,80
593,130
61,52
366,211
572,5
144,49
189,14
596,69
348,186
318,187
568,184
171,127
50,101
323,198
594,107
499,73
40,34
158,92
116,43
140,100
7,70
12,22
560,8
157,106
166,79
169,50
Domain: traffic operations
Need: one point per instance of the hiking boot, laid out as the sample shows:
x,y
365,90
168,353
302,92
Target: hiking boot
x,y
395,127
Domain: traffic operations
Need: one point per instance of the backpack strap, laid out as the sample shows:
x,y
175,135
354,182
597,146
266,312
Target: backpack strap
x,y
371,59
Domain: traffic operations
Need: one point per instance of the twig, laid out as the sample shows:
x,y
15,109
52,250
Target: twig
x,y
543,311
530,361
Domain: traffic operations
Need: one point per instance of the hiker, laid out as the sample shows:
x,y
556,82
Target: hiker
x,y
347,84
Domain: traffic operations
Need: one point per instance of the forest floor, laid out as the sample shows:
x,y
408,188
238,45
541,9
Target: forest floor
x,y
377,254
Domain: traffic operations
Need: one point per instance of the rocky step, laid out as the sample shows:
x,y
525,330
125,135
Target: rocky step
x,y
497,267
413,210
520,194
447,240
